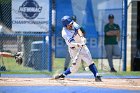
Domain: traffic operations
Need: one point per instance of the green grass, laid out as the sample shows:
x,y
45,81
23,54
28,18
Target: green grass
x,y
11,65
58,66
13,68
130,73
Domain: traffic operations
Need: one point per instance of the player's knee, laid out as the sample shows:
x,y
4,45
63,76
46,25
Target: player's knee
x,y
90,63
91,66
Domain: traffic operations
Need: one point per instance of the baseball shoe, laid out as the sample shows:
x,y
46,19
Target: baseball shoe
x,y
113,70
98,79
60,76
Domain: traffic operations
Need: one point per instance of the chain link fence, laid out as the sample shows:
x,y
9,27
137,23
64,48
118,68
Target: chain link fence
x,y
23,42
23,51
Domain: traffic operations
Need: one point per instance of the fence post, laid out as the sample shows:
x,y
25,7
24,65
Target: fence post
x,y
125,36
50,38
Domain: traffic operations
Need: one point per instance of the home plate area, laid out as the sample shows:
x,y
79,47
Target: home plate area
x,y
128,84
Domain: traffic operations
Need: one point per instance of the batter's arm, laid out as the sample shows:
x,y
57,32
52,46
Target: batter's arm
x,y
80,33
83,39
70,41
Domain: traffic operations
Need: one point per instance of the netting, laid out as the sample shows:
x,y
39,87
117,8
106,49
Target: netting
x,y
26,25
24,35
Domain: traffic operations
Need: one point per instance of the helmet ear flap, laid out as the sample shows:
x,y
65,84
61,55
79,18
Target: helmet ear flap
x,y
64,22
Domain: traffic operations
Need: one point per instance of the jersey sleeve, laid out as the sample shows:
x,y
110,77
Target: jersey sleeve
x,y
68,39
118,27
76,26
66,36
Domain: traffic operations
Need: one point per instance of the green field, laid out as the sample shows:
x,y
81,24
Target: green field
x,y
13,67
58,66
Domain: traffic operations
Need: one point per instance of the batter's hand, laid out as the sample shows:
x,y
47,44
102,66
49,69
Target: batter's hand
x,y
74,62
81,45
83,40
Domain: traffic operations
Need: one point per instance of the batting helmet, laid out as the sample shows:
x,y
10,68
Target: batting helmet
x,y
66,20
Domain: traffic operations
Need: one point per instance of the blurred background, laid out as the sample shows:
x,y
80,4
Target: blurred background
x,y
31,41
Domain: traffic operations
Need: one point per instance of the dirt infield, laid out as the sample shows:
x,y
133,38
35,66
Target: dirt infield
x,y
129,84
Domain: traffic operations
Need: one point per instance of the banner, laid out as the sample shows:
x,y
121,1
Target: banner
x,y
30,15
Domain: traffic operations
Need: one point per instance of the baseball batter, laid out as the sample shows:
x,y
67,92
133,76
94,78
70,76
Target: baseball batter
x,y
75,40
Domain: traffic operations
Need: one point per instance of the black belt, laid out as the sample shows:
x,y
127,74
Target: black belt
x,y
72,47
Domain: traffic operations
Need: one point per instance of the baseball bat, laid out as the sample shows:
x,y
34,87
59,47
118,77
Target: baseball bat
x,y
77,55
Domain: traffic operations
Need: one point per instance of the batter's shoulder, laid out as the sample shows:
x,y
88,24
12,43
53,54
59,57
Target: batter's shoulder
x,y
63,32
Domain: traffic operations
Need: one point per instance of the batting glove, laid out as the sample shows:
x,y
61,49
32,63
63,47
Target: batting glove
x,y
74,61
83,40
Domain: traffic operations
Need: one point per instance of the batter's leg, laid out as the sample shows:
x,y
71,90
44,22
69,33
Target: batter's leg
x,y
88,59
